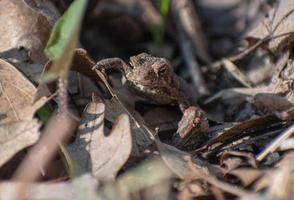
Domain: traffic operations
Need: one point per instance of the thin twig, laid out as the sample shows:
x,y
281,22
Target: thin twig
x,y
215,182
216,65
59,128
187,52
276,143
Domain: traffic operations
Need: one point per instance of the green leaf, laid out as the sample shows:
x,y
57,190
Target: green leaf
x,y
63,40
164,8
158,31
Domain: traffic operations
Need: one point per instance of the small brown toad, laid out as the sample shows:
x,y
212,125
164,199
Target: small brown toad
x,y
154,79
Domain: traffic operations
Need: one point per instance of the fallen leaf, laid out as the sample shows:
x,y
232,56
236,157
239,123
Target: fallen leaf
x,y
187,191
150,173
21,26
279,22
102,153
251,124
109,153
16,94
269,103
247,175
17,136
178,162
235,159
140,137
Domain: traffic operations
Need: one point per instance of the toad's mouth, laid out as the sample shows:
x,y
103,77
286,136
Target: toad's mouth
x,y
143,88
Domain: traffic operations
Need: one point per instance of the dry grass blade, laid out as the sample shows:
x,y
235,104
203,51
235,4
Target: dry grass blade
x,y
252,124
59,128
276,143
187,51
234,70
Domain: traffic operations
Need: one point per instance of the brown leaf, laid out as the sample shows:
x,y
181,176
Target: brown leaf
x,y
17,136
279,21
269,103
279,181
235,159
251,124
109,153
103,154
140,138
247,175
178,161
16,94
187,191
21,26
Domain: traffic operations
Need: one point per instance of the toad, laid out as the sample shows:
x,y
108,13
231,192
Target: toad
x,y
153,79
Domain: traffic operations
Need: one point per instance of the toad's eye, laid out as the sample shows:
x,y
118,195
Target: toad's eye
x,y
161,70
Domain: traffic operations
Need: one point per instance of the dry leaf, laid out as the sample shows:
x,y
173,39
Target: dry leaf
x,y
102,153
251,124
235,159
21,26
178,161
17,136
247,175
140,138
279,21
269,103
110,152
16,93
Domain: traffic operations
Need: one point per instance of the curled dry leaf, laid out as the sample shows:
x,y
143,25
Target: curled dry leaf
x,y
282,183
235,159
279,21
17,136
279,181
21,26
93,150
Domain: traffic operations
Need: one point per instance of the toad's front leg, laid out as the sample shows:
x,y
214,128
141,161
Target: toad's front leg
x,y
112,63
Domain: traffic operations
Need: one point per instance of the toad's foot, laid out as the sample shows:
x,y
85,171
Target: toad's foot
x,y
192,129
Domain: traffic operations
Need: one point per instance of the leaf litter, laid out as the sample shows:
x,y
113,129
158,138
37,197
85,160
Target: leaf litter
x,y
112,145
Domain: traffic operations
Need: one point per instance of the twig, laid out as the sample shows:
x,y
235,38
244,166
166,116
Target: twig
x,y
215,182
216,65
59,128
236,73
187,51
276,143
192,28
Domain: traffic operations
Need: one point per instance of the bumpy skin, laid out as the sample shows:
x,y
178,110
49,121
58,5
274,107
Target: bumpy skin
x,y
154,79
